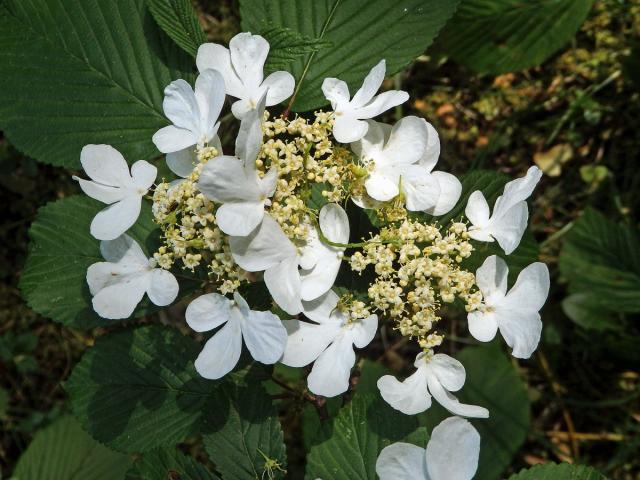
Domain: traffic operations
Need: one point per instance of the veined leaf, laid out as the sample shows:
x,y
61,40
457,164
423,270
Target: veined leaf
x,y
361,33
288,45
179,20
499,36
163,463
63,451
74,72
564,471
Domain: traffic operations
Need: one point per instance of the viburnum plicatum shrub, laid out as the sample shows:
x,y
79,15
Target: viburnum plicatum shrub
x,y
280,208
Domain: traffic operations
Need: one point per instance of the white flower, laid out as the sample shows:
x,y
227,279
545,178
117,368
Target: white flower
x,y
452,453
234,181
263,333
268,248
113,184
119,284
329,342
242,66
401,160
436,375
508,221
514,313
194,113
350,113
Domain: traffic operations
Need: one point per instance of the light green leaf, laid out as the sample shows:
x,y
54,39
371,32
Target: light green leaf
x,y
361,33
493,383
179,20
74,72
245,429
54,279
163,463
601,258
349,446
564,471
63,451
499,36
137,390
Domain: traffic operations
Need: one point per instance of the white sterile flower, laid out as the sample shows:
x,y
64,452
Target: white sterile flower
x,y
508,221
113,184
514,313
242,66
329,342
235,183
350,113
194,113
263,333
119,284
436,375
452,453
268,248
400,159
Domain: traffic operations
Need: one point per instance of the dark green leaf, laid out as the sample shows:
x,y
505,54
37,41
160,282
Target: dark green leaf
x,y
352,441
288,45
564,471
245,430
179,20
74,72
63,451
499,36
585,310
360,32
161,464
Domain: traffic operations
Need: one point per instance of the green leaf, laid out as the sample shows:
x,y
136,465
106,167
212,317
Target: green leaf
x,y
4,403
499,36
179,20
352,441
586,310
63,451
564,471
137,390
168,464
493,383
245,429
287,45
601,258
74,72
361,33
54,279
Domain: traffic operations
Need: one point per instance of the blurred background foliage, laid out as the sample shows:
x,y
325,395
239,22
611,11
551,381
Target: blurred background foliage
x,y
577,116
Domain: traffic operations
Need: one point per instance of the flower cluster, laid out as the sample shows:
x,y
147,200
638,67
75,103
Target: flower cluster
x,y
275,211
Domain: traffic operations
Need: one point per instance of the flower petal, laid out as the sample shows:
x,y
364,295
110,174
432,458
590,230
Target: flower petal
x,y
363,331
450,191
221,352
451,403
331,371
336,91
382,185
407,142
283,282
106,165
181,107
517,191
382,103
116,219
521,330
119,300
491,278
347,129
453,450
306,341
323,308
239,219
172,139
124,250
183,161
319,279
249,139
402,461
531,288
264,335
371,145
103,193
334,223
370,85
143,174
209,93
280,86
509,228
248,54
410,396
226,180
449,371
482,326
477,209
421,189
163,288
217,57
208,312
431,153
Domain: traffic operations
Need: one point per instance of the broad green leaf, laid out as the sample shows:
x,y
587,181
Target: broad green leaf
x,y
168,464
137,389
63,451
350,444
287,45
585,310
74,72
493,383
499,36
245,429
360,32
179,20
601,258
370,372
54,279
564,471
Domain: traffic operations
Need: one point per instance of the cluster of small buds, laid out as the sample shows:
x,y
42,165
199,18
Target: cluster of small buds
x,y
356,309
186,218
417,269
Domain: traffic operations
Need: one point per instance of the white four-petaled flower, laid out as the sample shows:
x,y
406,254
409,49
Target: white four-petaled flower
x,y
329,342
400,159
508,221
514,313
350,112
113,184
452,453
436,375
194,113
242,66
263,333
119,284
